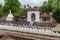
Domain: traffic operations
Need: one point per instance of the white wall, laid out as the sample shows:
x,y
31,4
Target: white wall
x,y
37,19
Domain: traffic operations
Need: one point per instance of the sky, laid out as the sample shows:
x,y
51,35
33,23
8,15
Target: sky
x,y
30,2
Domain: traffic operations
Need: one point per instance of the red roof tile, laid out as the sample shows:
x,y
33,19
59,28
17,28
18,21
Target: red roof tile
x,y
45,14
32,9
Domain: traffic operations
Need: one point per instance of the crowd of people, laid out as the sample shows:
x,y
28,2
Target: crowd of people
x,y
30,25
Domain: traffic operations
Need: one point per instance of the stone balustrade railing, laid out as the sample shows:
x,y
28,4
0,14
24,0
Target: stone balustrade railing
x,y
30,30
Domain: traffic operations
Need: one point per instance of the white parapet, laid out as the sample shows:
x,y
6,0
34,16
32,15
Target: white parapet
x,y
30,30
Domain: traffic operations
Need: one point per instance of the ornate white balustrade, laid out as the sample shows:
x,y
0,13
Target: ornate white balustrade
x,y
30,30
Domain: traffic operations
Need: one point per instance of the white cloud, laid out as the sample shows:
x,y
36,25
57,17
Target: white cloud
x,y
37,1
2,2
32,2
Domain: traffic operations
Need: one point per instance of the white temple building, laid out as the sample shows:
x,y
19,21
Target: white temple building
x,y
31,11
44,17
10,16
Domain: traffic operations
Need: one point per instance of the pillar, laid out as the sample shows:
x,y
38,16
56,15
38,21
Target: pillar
x,y
37,19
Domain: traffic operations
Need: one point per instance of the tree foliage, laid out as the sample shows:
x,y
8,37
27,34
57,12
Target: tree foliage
x,y
48,6
56,14
1,10
14,6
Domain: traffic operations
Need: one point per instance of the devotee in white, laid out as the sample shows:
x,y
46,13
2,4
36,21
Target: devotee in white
x,y
31,24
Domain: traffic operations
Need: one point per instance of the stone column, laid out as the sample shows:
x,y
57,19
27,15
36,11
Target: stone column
x,y
29,17
37,19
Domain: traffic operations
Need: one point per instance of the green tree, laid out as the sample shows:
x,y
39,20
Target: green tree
x,y
0,5
14,6
48,6
56,14
28,5
24,6
44,7
57,2
1,10
45,3
24,13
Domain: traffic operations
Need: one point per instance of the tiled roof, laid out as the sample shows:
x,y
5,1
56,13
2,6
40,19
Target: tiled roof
x,y
45,14
32,9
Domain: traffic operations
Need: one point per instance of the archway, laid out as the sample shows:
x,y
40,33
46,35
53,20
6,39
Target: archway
x,y
36,17
32,16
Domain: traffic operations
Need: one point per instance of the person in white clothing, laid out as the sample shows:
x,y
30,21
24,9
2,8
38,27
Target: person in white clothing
x,y
31,24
